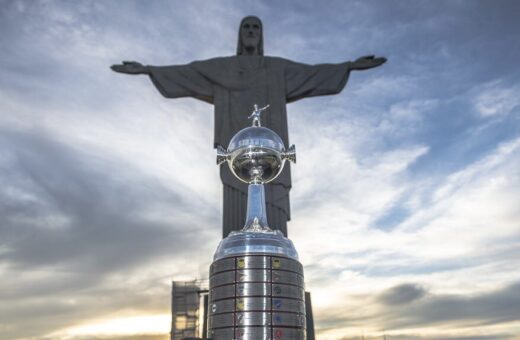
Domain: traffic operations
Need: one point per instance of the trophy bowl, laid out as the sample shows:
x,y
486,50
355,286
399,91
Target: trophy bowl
x,y
256,155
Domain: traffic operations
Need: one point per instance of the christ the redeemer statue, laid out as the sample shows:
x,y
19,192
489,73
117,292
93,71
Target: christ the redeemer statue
x,y
233,84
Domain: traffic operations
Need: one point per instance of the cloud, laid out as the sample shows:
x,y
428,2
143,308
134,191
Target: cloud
x,y
56,185
455,229
499,306
402,294
496,99
404,195
435,337
74,232
406,312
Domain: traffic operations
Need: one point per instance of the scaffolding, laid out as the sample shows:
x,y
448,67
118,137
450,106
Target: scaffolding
x,y
185,309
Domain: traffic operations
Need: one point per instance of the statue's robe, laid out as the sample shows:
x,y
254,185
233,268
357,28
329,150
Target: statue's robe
x,y
233,85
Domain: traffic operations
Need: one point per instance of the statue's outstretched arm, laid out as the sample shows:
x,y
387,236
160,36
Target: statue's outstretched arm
x,y
367,62
130,67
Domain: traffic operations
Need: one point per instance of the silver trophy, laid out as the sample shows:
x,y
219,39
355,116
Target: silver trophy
x,y
256,155
256,281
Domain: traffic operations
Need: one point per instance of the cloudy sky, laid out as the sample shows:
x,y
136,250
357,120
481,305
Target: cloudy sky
x,y
405,198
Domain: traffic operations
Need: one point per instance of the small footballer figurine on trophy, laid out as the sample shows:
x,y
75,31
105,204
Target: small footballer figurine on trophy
x,y
256,282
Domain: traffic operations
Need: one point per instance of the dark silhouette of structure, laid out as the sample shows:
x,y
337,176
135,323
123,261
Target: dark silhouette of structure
x,y
185,310
233,84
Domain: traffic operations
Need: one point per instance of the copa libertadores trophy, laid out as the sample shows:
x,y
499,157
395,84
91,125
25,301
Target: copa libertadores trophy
x,y
256,282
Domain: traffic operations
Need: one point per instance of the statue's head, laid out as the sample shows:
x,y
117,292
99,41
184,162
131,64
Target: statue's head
x,y
250,36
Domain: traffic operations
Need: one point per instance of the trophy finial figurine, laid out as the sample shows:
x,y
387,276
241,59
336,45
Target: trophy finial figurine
x,y
256,114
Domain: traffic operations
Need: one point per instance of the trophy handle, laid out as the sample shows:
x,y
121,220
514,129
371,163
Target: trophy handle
x,y
290,154
222,155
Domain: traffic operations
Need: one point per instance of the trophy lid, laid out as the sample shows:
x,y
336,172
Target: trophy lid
x,y
256,136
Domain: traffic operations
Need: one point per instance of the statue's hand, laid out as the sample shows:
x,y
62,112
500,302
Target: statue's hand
x,y
130,67
366,62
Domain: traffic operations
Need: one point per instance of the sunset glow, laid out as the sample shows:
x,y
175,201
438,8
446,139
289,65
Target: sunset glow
x,y
404,201
134,325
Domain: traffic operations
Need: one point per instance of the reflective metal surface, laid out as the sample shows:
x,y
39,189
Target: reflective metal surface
x,y
286,264
222,279
288,305
221,266
288,334
259,164
253,319
288,319
256,215
281,290
223,333
255,243
222,292
221,320
256,114
244,304
253,289
253,333
256,154
256,282
223,306
287,278
254,262
257,297
253,275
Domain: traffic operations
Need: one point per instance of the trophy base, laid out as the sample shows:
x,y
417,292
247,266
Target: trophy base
x,y
256,288
256,296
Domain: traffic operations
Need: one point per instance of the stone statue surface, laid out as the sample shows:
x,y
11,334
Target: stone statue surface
x,y
233,84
